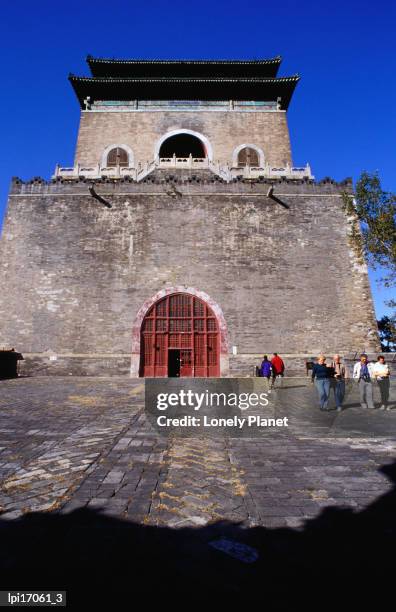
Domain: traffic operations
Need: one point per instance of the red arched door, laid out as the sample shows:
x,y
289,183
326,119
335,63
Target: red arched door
x,y
180,337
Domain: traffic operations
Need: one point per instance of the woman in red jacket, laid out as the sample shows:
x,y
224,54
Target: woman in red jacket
x,y
278,368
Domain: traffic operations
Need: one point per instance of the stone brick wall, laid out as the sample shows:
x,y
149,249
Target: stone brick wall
x,y
224,130
74,274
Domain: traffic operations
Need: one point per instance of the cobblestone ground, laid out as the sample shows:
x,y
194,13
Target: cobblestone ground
x,y
67,443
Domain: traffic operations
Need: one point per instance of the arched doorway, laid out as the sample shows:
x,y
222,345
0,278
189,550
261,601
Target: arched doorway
x,y
183,145
180,337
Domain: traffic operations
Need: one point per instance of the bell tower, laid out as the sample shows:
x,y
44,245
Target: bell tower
x,y
226,116
182,241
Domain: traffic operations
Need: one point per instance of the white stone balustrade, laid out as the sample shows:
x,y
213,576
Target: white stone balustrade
x,y
93,172
183,162
290,172
142,170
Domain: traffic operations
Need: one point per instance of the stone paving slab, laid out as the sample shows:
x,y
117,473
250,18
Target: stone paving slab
x,y
69,443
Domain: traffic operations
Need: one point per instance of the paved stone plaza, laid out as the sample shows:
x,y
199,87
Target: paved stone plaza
x,y
97,503
68,443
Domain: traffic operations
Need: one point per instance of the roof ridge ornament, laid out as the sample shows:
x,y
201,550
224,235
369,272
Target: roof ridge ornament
x,y
276,59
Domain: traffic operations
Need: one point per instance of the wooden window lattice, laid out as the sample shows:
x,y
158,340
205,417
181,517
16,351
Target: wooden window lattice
x,y
248,157
117,157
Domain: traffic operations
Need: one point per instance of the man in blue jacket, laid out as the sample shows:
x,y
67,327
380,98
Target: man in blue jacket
x,y
321,375
266,370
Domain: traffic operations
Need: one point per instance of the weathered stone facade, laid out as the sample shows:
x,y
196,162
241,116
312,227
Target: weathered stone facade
x,y
263,249
75,273
225,131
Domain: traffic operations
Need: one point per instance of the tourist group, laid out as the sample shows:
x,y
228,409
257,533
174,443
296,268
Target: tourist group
x,y
333,376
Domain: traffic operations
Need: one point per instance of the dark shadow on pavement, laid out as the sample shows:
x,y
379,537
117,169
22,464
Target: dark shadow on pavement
x,y
341,557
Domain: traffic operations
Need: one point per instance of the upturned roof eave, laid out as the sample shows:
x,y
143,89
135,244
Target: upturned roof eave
x,y
165,88
294,78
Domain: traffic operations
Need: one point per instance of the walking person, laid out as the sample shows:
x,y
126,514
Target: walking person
x,y
381,372
278,369
338,381
266,370
363,373
321,375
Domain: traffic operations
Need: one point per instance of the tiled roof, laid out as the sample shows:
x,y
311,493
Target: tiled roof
x,y
102,67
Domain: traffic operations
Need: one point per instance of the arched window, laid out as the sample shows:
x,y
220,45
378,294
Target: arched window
x,y
117,157
182,145
248,157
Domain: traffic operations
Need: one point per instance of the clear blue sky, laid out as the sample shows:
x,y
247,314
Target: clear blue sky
x,y
342,117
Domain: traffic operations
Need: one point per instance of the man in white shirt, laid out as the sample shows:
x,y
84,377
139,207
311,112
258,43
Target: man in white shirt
x,y
381,372
363,373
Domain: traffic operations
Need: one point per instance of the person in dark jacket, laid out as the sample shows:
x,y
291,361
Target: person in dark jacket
x,y
339,374
321,375
266,369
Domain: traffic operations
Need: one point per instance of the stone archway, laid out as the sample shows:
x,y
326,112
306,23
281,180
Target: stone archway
x,y
125,147
207,147
259,153
185,320
182,145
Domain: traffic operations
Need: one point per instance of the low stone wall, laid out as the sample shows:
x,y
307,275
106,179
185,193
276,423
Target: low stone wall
x,y
245,365
119,365
75,366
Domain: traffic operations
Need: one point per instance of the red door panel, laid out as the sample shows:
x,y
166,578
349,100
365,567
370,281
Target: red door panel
x,y
186,363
